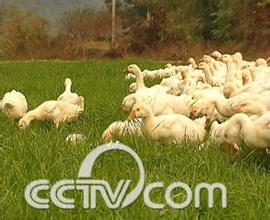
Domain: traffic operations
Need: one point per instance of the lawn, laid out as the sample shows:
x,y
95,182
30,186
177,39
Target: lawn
x,y
41,151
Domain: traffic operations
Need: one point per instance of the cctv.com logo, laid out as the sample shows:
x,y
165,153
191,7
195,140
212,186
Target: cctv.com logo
x,y
120,197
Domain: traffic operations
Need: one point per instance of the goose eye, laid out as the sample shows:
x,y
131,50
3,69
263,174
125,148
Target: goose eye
x,y
137,109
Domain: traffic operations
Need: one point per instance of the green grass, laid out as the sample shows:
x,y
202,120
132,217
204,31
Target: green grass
x,y
41,152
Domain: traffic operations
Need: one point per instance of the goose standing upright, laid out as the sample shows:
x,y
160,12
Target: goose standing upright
x,y
69,96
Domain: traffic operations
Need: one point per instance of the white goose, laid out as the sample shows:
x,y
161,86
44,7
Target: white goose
x,y
69,96
210,79
136,71
14,105
232,69
120,129
255,132
216,55
159,103
172,128
55,111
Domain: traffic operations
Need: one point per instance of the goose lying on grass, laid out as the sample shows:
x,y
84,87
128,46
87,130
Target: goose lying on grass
x,y
14,105
120,129
172,128
55,111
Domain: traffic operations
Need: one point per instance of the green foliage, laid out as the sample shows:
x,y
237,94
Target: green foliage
x,y
225,20
181,25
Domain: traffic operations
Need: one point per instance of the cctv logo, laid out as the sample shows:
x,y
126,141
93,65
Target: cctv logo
x,y
119,198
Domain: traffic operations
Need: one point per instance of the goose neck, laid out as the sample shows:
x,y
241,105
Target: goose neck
x,y
208,75
229,75
68,88
149,121
243,121
221,105
139,79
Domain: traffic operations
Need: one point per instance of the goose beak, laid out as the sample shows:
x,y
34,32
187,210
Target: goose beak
x,y
208,122
125,71
192,116
232,149
220,59
132,115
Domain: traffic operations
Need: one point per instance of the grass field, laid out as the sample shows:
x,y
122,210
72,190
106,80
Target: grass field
x,y
41,151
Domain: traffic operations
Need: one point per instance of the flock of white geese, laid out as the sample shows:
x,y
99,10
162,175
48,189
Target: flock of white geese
x,y
223,94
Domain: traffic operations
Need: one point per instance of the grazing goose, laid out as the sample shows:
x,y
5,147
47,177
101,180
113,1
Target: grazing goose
x,y
253,131
55,111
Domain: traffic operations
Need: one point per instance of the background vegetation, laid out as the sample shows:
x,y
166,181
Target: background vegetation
x,y
167,29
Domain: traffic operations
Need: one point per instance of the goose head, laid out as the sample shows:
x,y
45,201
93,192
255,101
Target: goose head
x,y
207,59
24,123
222,134
203,66
238,56
169,65
216,132
133,69
268,61
216,54
226,58
260,62
140,110
128,102
246,76
68,82
202,108
132,88
192,61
